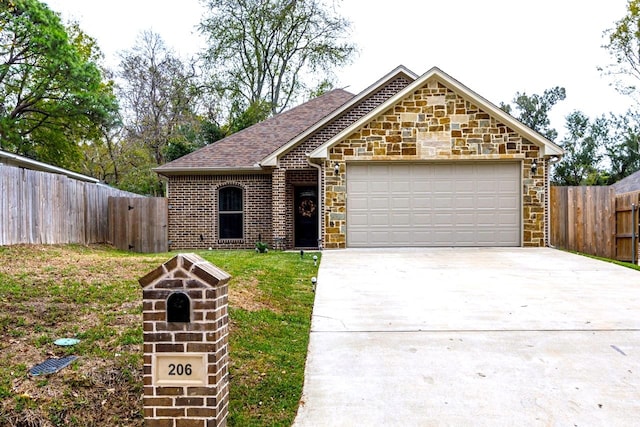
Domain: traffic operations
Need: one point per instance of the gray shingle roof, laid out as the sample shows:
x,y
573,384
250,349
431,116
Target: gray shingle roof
x,y
246,148
628,184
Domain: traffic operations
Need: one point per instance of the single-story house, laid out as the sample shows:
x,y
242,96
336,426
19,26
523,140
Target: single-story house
x,y
410,161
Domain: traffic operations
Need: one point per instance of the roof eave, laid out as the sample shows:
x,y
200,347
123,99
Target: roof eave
x,y
272,159
175,171
548,147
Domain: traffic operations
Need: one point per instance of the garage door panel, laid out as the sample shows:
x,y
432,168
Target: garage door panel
x,y
402,218
398,169
359,238
400,202
399,236
421,219
358,203
507,235
441,201
359,221
379,238
442,238
441,219
359,187
464,202
376,219
508,203
485,219
508,186
399,186
487,202
379,186
485,238
438,204
463,218
440,186
422,201
465,238
508,220
377,202
464,186
442,169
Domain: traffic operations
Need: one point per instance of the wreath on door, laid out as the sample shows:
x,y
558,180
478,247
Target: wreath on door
x,y
307,208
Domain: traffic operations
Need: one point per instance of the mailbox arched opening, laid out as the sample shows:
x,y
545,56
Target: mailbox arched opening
x,y
178,308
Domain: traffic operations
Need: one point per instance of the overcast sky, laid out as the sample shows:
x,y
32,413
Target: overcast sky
x,y
495,47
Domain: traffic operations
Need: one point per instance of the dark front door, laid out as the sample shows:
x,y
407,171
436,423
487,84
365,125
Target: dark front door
x,y
306,217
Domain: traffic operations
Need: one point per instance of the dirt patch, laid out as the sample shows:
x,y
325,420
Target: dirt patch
x,y
53,264
246,295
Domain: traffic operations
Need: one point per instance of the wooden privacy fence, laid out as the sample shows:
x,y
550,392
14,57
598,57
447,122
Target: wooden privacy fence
x,y
583,219
139,224
46,208
594,220
627,226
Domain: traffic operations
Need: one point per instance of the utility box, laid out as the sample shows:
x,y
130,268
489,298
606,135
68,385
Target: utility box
x,y
186,336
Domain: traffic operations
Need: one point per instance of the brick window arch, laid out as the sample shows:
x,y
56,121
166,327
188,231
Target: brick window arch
x,y
230,213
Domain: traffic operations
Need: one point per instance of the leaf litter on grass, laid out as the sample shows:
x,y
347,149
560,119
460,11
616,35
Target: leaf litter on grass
x,y
70,291
92,293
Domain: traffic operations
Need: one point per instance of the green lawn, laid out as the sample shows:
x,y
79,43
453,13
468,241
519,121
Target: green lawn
x,y
92,293
612,261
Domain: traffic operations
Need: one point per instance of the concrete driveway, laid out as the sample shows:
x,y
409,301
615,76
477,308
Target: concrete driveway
x,y
472,337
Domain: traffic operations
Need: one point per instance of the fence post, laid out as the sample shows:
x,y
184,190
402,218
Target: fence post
x,y
634,230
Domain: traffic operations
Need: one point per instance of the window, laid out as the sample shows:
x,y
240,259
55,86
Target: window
x,y
230,213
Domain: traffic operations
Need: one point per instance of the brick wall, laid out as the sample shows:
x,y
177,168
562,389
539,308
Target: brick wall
x,y
279,209
433,123
193,202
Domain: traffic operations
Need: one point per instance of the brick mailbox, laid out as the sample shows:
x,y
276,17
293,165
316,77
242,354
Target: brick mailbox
x,y
186,325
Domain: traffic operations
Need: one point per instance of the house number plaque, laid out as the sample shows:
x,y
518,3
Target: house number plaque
x,y
180,369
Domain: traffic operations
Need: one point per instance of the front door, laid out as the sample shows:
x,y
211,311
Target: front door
x,y
306,217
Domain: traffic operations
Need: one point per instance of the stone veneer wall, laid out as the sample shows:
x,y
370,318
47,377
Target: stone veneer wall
x,y
547,201
296,159
432,124
193,207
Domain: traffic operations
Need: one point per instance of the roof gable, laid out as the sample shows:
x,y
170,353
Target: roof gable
x,y
547,147
245,149
272,159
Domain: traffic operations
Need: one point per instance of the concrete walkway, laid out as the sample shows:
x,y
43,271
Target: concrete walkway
x,y
472,337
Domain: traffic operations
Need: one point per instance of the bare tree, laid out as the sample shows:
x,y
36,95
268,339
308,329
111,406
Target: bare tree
x,y
159,97
266,50
159,93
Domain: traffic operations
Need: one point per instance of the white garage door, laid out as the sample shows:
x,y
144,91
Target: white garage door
x,y
433,204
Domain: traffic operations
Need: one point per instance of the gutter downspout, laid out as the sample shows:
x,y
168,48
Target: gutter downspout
x,y
320,201
552,160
